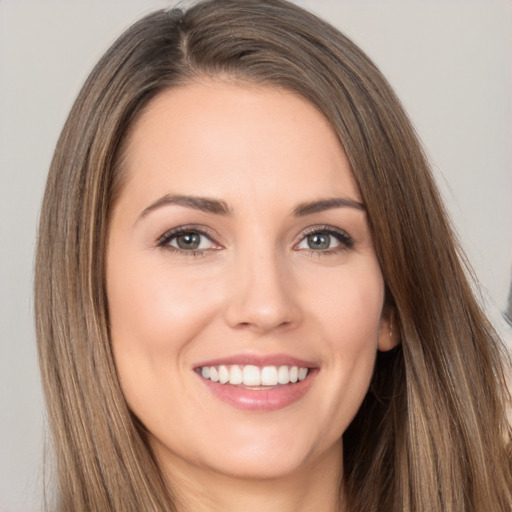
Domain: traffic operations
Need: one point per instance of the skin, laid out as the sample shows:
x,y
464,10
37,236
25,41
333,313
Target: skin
x,y
255,287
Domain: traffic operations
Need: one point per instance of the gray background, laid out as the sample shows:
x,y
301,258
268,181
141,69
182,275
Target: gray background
x,y
449,61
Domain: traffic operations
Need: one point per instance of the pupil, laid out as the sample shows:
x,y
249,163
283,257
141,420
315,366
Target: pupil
x,y
317,241
188,241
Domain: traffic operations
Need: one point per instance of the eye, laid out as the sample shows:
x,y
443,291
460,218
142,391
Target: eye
x,y
326,239
189,241
319,241
186,239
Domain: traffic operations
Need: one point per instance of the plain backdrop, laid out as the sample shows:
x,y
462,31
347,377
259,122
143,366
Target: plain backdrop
x,y
449,61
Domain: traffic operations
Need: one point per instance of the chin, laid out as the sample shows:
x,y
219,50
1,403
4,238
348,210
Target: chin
x,y
261,466
253,456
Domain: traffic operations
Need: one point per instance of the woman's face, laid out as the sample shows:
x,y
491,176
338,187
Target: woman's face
x,y
245,296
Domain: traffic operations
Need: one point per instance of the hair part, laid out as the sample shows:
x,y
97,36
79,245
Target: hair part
x,y
433,424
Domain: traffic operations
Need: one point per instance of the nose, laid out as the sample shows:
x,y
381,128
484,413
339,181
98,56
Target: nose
x,y
262,295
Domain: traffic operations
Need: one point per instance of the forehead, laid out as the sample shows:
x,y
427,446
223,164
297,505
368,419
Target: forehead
x,y
219,138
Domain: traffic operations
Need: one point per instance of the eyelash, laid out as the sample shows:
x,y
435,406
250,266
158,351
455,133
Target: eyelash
x,y
345,240
165,240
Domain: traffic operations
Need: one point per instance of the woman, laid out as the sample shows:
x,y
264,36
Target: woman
x,y
248,294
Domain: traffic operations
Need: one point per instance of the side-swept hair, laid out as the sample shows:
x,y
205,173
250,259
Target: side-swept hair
x,y
432,433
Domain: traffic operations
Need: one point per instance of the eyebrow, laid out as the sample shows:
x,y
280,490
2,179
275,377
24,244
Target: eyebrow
x,y
203,204
327,204
219,207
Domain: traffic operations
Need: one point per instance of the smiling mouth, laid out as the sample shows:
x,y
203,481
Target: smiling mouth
x,y
254,377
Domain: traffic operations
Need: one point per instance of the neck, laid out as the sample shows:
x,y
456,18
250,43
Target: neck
x,y
315,486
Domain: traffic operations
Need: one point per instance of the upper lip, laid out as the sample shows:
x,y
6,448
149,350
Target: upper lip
x,y
258,360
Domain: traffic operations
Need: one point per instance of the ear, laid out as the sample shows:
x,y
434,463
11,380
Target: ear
x,y
389,334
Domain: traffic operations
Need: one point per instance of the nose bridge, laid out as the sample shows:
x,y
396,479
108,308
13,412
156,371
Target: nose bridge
x,y
262,285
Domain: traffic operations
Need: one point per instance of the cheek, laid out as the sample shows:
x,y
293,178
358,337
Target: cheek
x,y
349,306
154,312
355,331
154,317
348,316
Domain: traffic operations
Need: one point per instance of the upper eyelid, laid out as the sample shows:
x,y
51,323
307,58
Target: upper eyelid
x,y
344,238
324,228
203,230
215,237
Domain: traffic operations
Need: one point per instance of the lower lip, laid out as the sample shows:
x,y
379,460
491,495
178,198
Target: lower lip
x,y
273,399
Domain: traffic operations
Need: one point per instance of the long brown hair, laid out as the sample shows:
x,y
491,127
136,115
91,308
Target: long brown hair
x,y
431,434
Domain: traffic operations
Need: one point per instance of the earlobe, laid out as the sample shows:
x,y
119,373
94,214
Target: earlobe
x,y
389,334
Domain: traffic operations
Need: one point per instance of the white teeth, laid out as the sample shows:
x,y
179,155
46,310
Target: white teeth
x,y
223,374
214,374
269,376
283,375
235,375
251,375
